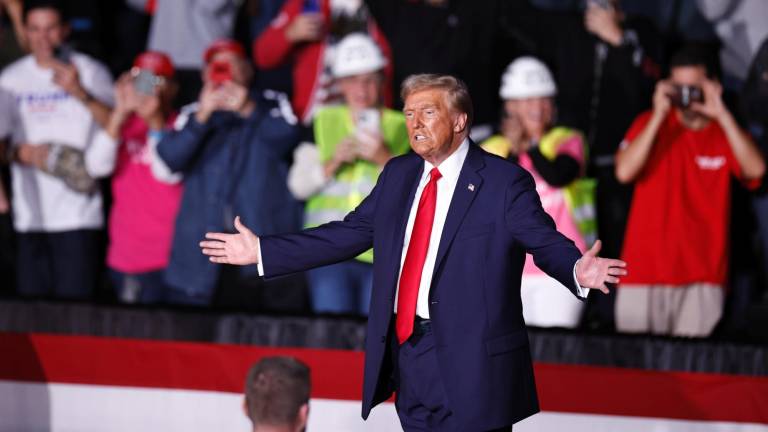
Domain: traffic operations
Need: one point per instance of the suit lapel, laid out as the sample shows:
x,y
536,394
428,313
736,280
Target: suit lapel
x,y
467,188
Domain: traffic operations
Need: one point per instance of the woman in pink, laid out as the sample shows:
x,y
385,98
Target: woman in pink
x,y
145,194
555,158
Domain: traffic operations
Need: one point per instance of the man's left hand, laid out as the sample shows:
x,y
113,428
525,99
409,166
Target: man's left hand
x,y
65,75
595,272
713,106
238,249
603,23
233,96
371,147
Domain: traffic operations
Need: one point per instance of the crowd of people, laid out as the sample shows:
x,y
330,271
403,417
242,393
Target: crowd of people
x,y
115,169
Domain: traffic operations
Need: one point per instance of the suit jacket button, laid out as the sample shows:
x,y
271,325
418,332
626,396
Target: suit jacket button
x,y
383,339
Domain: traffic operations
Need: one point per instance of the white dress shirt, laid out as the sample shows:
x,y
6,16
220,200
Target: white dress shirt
x,y
450,169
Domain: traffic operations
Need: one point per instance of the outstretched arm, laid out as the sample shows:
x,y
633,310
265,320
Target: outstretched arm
x,y
595,272
553,252
289,253
238,249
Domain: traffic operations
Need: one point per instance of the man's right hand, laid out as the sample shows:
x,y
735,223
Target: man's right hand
x,y
307,27
238,249
125,98
34,155
661,102
228,96
513,131
208,102
345,152
603,23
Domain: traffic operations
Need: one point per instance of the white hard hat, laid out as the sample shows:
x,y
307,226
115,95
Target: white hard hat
x,y
357,54
527,77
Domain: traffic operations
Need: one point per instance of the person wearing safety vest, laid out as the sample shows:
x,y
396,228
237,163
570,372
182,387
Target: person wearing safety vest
x,y
555,156
353,142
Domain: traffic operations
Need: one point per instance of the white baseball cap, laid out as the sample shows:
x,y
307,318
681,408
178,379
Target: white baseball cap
x,y
356,54
527,77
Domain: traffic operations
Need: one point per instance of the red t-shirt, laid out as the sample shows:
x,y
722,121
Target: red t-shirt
x,y
677,232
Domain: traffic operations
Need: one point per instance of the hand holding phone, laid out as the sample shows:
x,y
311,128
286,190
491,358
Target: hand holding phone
x,y
66,76
145,82
368,120
306,27
125,95
63,53
602,20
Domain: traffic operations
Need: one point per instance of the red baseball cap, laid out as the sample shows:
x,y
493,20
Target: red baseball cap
x,y
223,45
155,61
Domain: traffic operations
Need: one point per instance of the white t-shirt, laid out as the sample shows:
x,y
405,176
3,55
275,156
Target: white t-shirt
x,y
48,114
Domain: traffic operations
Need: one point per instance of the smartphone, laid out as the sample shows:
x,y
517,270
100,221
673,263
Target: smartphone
x,y
220,72
369,121
311,6
145,82
685,95
63,53
368,126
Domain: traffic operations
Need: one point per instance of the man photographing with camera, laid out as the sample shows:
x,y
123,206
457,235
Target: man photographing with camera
x,y
681,156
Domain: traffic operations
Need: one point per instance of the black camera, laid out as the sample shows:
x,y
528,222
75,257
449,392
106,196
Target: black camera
x,y
685,95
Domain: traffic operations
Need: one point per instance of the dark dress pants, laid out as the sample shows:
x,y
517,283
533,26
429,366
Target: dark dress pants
x,y
422,403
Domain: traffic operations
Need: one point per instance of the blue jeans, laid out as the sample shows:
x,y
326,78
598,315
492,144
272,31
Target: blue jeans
x,y
142,288
343,288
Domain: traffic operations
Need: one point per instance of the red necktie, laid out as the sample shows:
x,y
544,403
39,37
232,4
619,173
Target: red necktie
x,y
410,278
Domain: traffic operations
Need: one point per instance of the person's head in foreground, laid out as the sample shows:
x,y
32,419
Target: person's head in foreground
x,y
277,395
438,114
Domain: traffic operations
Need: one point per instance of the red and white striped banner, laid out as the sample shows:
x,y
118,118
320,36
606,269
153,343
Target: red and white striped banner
x,y
76,383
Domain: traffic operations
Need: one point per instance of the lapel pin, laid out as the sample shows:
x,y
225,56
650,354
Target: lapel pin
x,y
471,187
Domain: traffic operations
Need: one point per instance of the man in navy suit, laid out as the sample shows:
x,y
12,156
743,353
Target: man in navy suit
x,y
450,226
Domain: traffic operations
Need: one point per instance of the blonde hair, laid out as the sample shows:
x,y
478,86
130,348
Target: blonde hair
x,y
456,91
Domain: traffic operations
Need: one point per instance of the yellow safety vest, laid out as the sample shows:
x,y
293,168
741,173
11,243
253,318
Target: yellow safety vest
x,y
352,182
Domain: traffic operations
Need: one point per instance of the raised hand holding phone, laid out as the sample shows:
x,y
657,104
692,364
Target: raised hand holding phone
x,y
370,142
308,26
